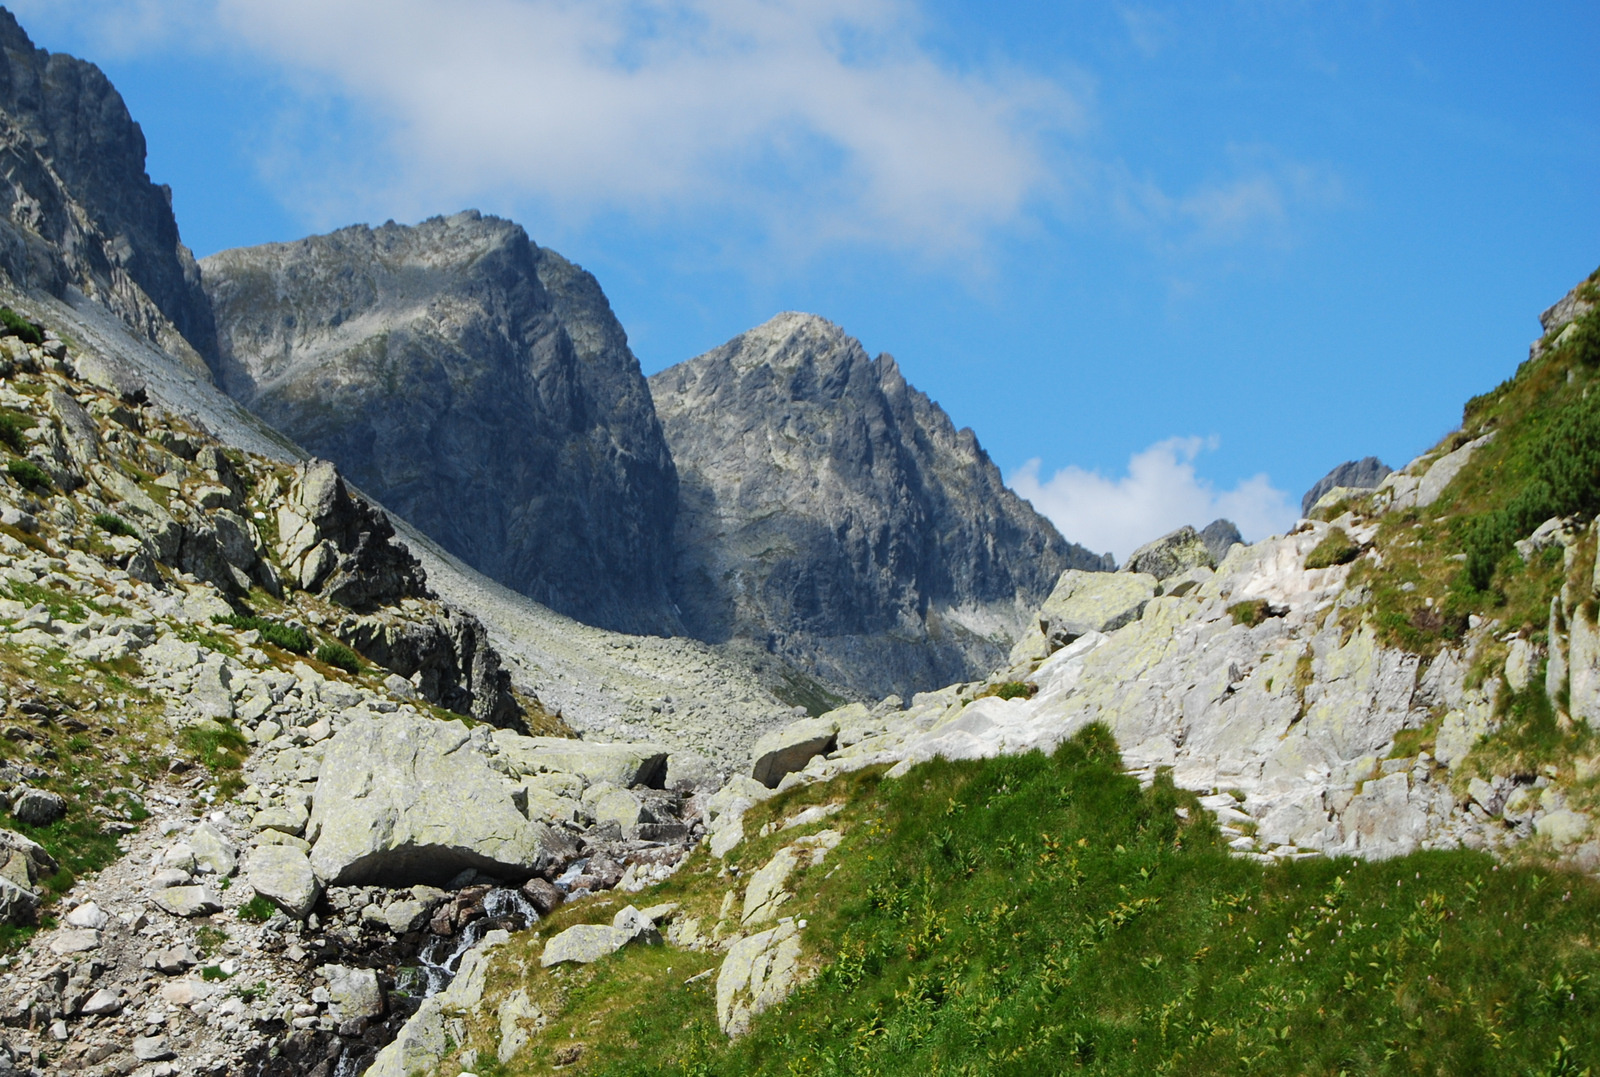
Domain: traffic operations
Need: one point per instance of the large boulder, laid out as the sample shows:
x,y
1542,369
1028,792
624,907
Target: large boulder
x,y
1084,602
758,973
404,799
340,546
283,875
446,656
789,749
1173,553
622,765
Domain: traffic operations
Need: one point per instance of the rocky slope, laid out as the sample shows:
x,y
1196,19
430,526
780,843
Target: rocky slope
x,y
478,386
834,514
80,214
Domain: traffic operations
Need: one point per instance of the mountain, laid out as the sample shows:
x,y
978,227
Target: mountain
x,y
476,384
833,512
80,215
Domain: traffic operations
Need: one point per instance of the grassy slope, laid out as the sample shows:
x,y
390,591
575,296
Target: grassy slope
x,y
1033,915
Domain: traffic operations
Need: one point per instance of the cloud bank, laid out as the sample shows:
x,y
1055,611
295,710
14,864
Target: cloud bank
x,y
1160,492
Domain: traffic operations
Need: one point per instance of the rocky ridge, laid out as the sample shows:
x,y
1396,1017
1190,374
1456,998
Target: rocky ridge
x,y
834,514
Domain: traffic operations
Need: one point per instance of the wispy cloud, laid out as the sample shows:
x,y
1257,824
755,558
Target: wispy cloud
x,y
1160,492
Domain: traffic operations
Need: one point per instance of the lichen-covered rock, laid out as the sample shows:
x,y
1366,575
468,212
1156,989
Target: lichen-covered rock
x,y
1085,602
1173,553
353,992
38,807
405,799
790,748
758,973
187,901
283,875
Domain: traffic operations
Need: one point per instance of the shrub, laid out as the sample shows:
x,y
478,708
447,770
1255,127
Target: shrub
x,y
114,525
293,640
258,910
18,326
1336,549
29,475
1250,613
12,430
341,657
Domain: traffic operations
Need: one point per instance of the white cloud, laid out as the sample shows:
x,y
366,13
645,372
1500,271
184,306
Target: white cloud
x,y
1160,492
820,118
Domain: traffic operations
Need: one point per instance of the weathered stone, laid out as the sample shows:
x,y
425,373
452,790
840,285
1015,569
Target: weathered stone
x,y
433,1031
1562,828
38,807
791,748
584,944
213,853
152,1049
765,893
545,897
101,1004
1173,553
74,942
406,799
1093,602
516,1009
622,765
758,973
405,916
187,901
353,992
1363,474
283,875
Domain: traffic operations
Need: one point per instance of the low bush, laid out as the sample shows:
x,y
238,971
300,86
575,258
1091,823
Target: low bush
x,y
1336,549
21,328
291,639
29,475
258,910
114,525
339,656
13,431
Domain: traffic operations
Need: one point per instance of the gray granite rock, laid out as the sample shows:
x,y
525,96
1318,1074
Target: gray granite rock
x,y
1363,474
835,515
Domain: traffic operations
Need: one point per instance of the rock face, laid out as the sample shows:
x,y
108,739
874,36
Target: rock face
x,y
405,800
1171,554
477,385
833,513
79,210
1363,474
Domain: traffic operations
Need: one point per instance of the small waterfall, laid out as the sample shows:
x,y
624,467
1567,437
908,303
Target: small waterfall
x,y
439,959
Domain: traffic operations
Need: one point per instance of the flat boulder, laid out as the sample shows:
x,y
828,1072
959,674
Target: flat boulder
x,y
622,765
187,901
403,799
789,749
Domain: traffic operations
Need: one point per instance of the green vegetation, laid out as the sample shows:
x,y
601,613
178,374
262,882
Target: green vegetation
x,y
13,430
29,475
1034,914
21,328
339,656
258,910
77,844
1009,690
114,525
208,939
1250,613
221,749
1336,549
62,605
293,640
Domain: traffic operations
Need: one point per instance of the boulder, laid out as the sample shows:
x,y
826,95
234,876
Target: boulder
x,y
1220,536
1172,553
406,799
187,901
789,749
332,543
544,896
353,993
1084,602
584,944
212,852
38,807
758,973
282,874
623,765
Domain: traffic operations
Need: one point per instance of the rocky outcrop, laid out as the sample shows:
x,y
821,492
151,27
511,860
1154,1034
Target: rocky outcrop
x,y
479,387
1363,474
1220,536
1170,555
79,212
446,658
835,515
341,547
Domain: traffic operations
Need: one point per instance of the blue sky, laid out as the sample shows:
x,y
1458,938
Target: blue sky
x,y
1168,261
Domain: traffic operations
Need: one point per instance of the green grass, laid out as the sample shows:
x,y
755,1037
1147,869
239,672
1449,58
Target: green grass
x,y
258,910
1336,549
1250,613
1041,915
114,525
219,748
339,656
29,475
293,640
13,430
1008,690
63,605
77,844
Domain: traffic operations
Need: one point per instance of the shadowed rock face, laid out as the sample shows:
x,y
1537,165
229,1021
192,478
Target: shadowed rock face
x,y
475,384
78,209
833,512
1363,474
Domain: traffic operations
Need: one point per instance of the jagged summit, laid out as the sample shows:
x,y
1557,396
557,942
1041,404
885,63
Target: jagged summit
x,y
79,212
478,385
834,512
